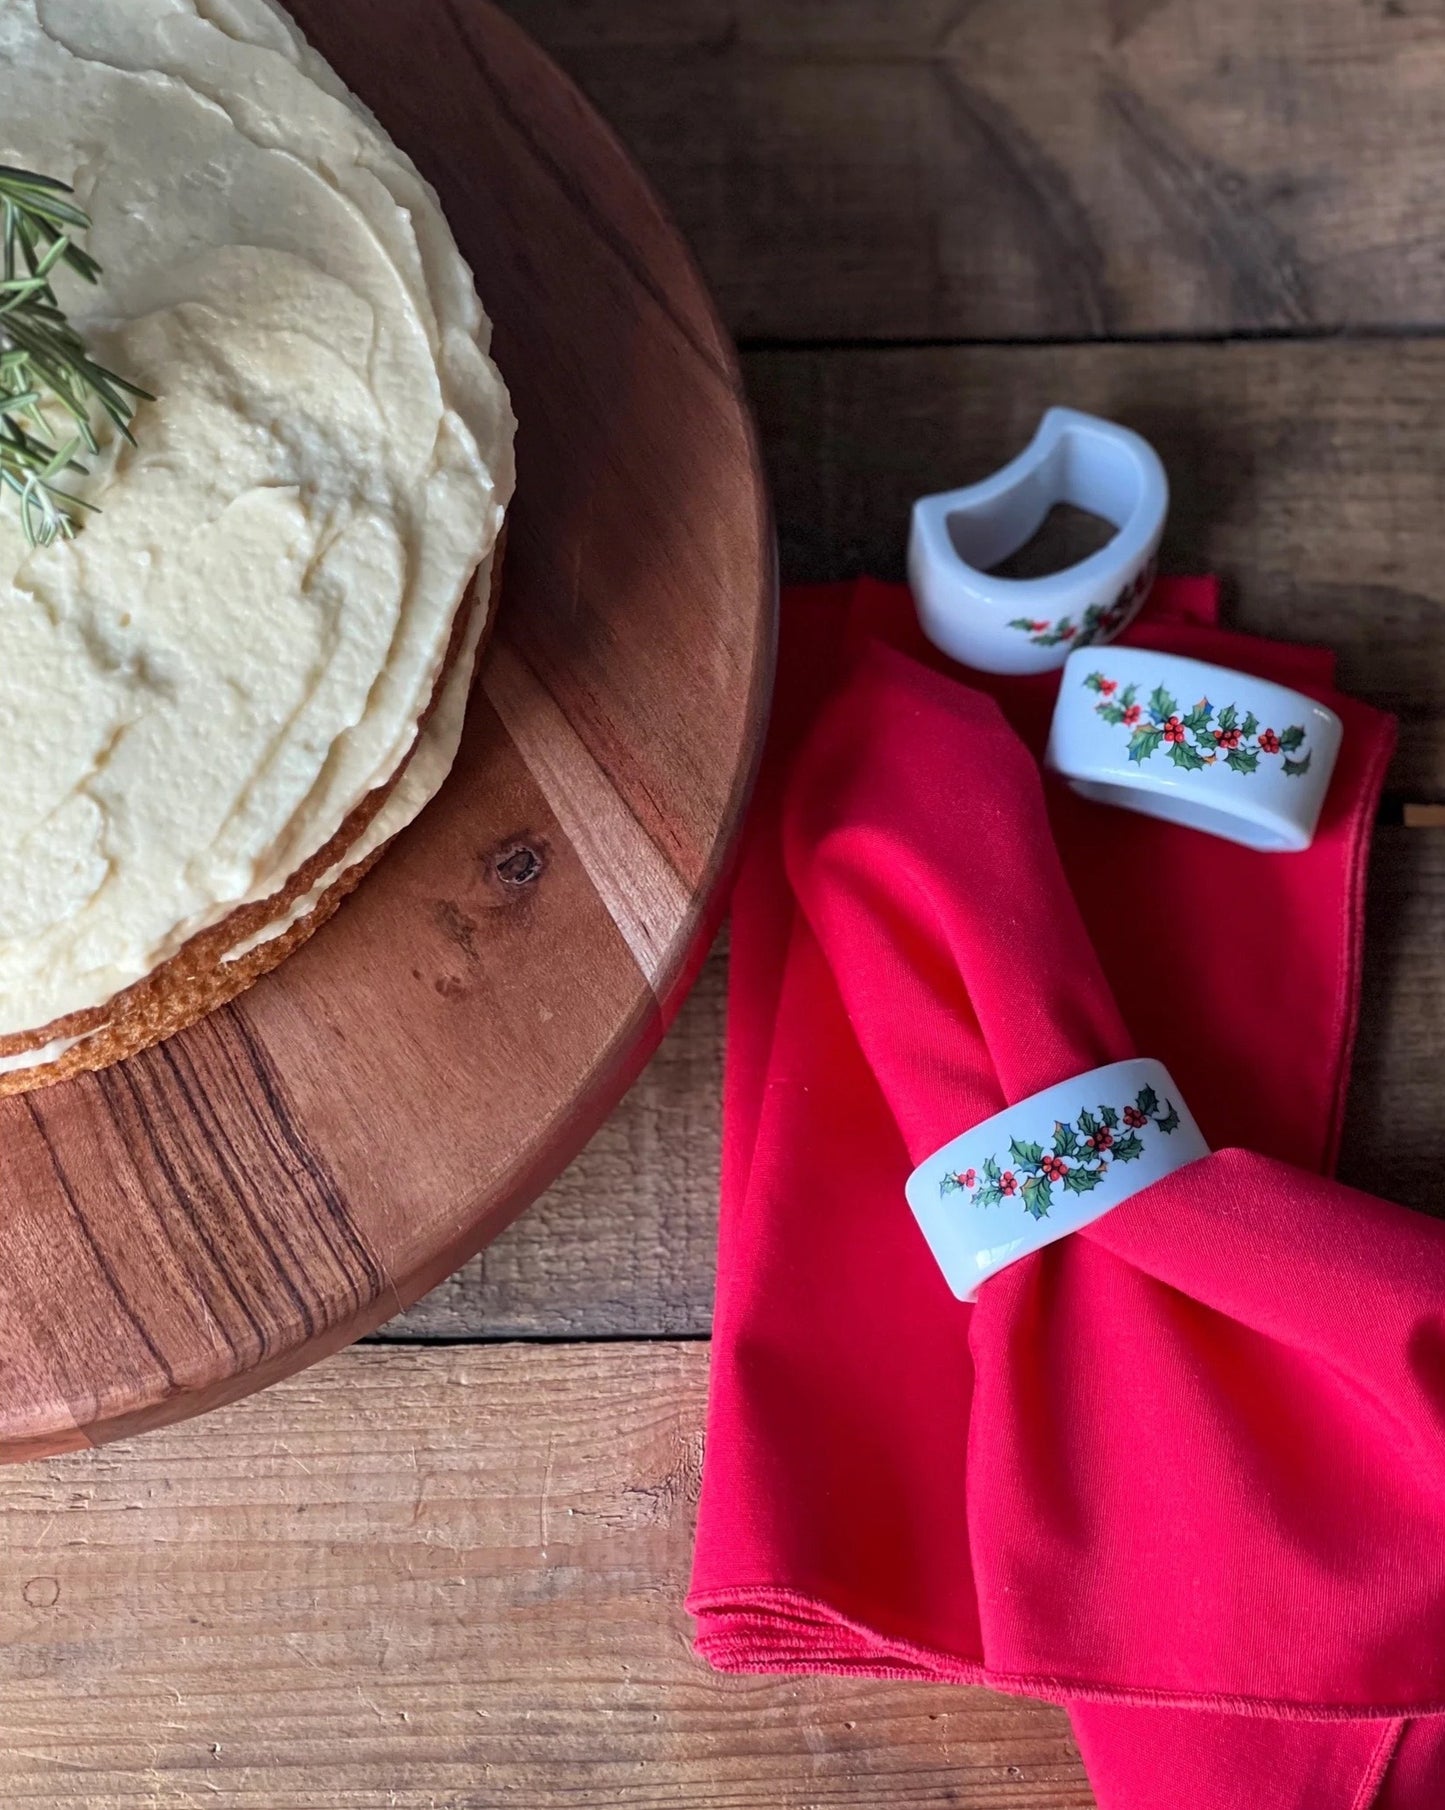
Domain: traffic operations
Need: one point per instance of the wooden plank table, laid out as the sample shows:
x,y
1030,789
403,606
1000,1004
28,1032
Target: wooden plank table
x,y
444,1569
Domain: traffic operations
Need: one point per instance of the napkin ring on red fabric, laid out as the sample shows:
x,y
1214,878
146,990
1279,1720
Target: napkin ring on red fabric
x,y
1216,750
1055,1162
1023,625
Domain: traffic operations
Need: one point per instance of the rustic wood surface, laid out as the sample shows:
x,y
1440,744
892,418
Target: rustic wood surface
x,y
1021,169
301,1165
436,1581
336,1594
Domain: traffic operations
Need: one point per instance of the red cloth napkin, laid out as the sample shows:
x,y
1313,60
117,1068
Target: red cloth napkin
x,y
1184,1471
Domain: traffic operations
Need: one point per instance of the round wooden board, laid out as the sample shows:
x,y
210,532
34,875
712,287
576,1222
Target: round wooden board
x,y
286,1175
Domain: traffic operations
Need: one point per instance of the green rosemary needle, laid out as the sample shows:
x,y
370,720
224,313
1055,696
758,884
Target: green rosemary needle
x,y
45,370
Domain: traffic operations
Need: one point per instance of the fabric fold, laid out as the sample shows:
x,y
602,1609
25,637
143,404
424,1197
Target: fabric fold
x,y
1187,1466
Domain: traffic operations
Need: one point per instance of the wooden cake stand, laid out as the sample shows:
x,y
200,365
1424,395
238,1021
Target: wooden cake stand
x,y
281,1178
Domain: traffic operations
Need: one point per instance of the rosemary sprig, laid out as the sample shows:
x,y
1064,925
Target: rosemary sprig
x,y
44,366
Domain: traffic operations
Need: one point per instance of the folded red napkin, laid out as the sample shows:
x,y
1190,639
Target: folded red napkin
x,y
1185,1470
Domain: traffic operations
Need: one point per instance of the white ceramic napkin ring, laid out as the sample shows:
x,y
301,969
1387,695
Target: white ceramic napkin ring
x,y
1057,1161
1024,625
1220,751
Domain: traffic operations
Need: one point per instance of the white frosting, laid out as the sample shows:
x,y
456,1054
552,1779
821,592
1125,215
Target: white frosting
x,y
38,1058
196,692
426,771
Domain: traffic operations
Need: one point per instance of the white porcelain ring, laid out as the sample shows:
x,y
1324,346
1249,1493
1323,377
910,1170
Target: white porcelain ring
x,y
1220,751
1056,1161
1024,625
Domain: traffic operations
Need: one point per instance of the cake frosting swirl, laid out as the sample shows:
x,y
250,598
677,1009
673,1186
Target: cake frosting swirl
x,y
238,650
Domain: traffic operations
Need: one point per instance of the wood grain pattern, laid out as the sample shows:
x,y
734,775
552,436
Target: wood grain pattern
x,y
298,1167
624,1243
437,1581
985,169
1310,476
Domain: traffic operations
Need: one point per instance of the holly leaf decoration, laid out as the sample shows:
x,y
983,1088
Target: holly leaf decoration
x,y
951,1184
1143,743
1061,631
992,1174
1088,1124
1092,626
1128,695
1027,623
1096,681
1129,1148
1147,1101
1161,704
1198,718
1111,713
1290,739
1036,1192
1083,1181
1065,1142
1170,1120
1186,756
1109,1116
987,1195
1250,725
1025,1156
1295,769
1242,760
1229,717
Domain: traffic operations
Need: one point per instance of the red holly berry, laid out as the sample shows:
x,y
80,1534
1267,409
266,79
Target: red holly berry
x,y
968,1178
1039,627
1008,1182
1103,1139
1269,741
1069,632
1134,1119
1227,738
1174,730
1132,714
1055,1168
1108,687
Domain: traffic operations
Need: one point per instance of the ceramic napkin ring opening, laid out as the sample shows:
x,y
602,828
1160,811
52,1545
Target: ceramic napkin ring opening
x,y
1029,625
1201,745
1040,1170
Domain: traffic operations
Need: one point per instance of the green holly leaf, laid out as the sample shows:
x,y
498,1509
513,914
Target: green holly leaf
x,y
987,1196
1143,743
991,1171
1109,1116
1036,1192
950,1185
1198,718
1161,704
1025,1156
1295,769
1083,1181
1129,1148
1128,695
1250,725
1059,632
1088,1124
1229,717
1024,622
1096,681
1065,1142
1111,713
1183,755
1290,739
1242,760
1091,626
1147,1101
1170,1120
